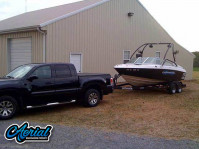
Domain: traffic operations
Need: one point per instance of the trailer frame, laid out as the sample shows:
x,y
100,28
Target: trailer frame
x,y
172,87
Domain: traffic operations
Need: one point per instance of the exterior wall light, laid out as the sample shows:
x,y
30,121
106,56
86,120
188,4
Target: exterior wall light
x,y
130,14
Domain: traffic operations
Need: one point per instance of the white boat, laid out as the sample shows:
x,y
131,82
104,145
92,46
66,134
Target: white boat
x,y
145,71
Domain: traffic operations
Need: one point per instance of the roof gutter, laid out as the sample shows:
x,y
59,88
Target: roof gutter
x,y
44,43
73,13
24,29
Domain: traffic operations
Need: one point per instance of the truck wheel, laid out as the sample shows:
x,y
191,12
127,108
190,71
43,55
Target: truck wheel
x,y
179,88
8,107
172,88
92,98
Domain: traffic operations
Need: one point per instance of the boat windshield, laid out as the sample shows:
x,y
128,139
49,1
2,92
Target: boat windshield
x,y
146,61
140,60
153,60
132,60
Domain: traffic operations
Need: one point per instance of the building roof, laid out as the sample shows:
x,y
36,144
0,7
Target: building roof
x,y
40,18
43,17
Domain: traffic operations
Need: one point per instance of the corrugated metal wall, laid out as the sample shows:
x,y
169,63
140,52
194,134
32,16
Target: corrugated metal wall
x,y
37,45
102,33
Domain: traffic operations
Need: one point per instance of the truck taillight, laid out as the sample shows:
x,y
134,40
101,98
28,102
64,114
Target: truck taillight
x,y
111,81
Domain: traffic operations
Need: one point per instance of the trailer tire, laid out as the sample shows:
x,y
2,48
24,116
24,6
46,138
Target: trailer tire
x,y
178,88
172,88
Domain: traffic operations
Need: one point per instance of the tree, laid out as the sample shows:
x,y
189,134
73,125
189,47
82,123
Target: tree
x,y
196,60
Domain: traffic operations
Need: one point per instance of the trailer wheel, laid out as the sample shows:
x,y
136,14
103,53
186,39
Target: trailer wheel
x,y
172,88
178,88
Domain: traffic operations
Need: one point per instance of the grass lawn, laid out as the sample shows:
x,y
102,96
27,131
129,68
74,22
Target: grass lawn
x,y
146,113
196,74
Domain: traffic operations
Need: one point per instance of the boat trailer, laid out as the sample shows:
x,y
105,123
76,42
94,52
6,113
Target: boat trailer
x,y
171,87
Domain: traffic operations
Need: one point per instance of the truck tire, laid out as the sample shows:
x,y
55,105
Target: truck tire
x,y
172,88
92,98
8,107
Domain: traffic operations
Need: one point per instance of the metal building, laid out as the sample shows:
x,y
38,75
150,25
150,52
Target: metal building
x,y
94,35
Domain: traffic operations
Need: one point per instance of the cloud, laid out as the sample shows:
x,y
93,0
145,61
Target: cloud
x,y
11,8
179,18
4,3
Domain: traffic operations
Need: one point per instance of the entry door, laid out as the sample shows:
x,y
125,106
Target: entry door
x,y
76,60
19,52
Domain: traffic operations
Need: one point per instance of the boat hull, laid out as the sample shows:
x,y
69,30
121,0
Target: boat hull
x,y
144,77
138,81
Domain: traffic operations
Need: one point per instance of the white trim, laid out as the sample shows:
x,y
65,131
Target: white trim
x,y
8,54
44,48
73,13
44,43
81,61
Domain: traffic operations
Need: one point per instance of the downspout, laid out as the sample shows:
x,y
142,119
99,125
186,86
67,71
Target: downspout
x,y
44,43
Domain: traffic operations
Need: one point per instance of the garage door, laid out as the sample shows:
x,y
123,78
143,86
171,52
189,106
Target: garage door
x,y
19,52
76,60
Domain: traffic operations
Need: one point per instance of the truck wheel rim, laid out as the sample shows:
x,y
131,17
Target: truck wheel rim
x,y
93,98
6,108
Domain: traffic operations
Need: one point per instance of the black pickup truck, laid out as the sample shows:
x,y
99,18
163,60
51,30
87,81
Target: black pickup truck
x,y
35,85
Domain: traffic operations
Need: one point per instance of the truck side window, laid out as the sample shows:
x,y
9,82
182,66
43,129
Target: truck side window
x,y
62,71
43,72
73,70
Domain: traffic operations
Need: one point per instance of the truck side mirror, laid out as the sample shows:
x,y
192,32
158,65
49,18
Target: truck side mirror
x,y
31,78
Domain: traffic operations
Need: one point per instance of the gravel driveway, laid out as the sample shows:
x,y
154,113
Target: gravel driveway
x,y
81,138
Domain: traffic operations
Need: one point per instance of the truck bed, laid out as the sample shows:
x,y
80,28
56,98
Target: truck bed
x,y
92,75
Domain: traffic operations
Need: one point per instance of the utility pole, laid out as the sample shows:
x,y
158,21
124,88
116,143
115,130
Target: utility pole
x,y
25,5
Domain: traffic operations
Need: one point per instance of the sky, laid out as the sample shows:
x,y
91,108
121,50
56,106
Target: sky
x,y
180,18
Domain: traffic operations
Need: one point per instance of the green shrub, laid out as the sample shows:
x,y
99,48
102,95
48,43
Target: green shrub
x,y
196,69
196,60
